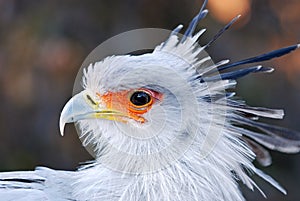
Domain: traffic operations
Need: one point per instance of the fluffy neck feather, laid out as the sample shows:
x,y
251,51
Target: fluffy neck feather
x,y
189,178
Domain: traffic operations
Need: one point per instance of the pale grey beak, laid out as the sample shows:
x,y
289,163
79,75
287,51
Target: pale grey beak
x,y
86,105
77,108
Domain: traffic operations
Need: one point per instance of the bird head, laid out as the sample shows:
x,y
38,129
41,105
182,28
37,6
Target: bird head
x,y
135,107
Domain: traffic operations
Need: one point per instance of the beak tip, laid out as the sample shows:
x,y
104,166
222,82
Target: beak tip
x,y
61,127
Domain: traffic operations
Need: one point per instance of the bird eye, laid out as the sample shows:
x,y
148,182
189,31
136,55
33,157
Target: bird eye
x,y
140,98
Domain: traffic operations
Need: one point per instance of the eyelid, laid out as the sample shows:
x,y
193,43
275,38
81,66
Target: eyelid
x,y
154,94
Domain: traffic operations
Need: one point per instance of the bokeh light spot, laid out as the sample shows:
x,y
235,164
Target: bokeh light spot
x,y
226,10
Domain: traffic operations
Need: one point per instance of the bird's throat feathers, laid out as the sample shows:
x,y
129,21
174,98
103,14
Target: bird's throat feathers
x,y
190,177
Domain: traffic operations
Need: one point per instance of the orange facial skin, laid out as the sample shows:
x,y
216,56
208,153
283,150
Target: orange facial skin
x,y
120,102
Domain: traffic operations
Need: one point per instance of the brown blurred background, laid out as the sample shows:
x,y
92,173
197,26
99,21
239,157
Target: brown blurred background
x,y
43,44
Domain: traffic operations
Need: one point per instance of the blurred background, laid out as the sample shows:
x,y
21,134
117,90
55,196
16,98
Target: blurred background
x,y
43,44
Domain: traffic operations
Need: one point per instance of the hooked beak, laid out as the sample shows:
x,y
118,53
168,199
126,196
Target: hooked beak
x,y
85,106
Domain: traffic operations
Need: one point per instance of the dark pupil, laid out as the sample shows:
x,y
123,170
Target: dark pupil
x,y
140,98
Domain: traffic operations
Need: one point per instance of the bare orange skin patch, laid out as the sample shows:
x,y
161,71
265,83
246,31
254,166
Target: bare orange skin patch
x,y
120,102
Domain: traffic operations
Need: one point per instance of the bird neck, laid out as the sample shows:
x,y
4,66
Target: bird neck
x,y
187,179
